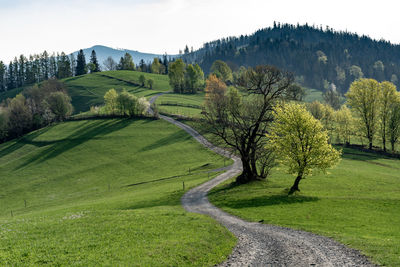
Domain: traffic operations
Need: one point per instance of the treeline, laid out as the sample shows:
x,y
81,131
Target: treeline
x,y
23,71
158,66
34,108
374,115
318,57
185,78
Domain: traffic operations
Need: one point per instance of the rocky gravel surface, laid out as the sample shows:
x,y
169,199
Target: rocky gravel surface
x,y
262,244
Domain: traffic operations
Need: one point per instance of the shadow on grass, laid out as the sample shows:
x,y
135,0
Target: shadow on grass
x,y
23,141
268,201
261,201
78,137
173,138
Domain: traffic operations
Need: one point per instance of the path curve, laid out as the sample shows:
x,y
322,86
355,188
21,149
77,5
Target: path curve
x,y
263,244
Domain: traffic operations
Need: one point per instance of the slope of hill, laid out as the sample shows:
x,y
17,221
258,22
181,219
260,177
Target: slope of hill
x,y
106,192
316,56
103,52
88,90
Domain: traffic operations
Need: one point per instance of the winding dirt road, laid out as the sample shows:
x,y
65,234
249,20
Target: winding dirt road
x,y
262,244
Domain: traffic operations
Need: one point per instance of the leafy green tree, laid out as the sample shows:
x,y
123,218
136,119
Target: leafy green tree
x,y
126,104
142,80
300,142
110,100
191,78
94,62
156,66
177,75
222,71
363,97
81,63
60,105
20,116
389,96
344,124
242,126
394,125
317,109
126,62
150,83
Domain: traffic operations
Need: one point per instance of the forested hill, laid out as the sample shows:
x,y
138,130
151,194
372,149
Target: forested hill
x,y
317,56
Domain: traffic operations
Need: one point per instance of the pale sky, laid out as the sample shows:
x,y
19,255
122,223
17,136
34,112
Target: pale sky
x,y
159,26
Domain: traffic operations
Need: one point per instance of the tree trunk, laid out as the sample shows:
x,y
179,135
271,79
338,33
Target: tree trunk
x,y
370,144
247,174
295,186
384,141
392,143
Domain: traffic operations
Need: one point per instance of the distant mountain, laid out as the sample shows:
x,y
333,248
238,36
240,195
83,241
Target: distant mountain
x,y
103,52
318,57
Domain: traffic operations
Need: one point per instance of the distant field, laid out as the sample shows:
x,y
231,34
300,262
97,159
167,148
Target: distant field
x,y
356,204
80,210
189,105
313,95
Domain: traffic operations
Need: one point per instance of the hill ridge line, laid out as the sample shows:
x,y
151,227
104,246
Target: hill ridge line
x,y
263,244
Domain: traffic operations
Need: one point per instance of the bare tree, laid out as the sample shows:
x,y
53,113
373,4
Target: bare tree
x,y
110,64
241,122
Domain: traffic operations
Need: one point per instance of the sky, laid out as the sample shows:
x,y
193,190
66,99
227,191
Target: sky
x,y
166,26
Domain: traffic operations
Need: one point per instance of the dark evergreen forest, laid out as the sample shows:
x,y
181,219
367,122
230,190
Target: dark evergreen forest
x,y
317,56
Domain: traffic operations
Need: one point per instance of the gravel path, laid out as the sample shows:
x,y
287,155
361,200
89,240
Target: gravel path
x,y
262,244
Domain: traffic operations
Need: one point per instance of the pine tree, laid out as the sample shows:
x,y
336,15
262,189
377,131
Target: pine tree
x,y
93,60
81,63
2,76
10,76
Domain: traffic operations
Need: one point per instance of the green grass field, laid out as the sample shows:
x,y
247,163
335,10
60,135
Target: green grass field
x,y
74,177
188,105
356,204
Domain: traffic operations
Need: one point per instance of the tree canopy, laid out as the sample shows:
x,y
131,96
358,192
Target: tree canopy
x,y
300,143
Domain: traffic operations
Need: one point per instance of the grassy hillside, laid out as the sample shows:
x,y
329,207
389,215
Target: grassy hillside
x,y
88,90
106,192
189,105
356,204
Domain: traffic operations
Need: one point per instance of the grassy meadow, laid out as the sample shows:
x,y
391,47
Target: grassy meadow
x,y
357,203
106,192
188,105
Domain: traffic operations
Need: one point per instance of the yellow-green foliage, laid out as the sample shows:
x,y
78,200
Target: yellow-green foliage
x,y
344,124
124,103
389,97
300,141
110,101
363,97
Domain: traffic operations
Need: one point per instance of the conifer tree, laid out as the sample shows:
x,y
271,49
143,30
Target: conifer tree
x,y
93,60
81,63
